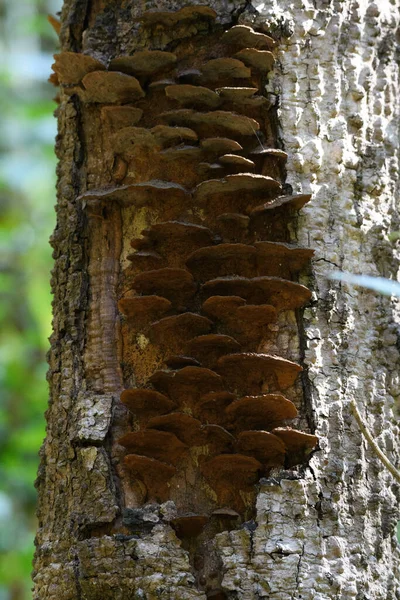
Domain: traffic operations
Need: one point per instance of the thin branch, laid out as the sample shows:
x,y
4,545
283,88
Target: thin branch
x,y
384,460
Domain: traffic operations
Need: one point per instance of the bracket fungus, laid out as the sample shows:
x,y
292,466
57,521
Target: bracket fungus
x,y
177,285
193,95
71,67
223,68
155,475
160,445
252,372
144,309
144,63
244,36
189,525
146,403
191,138
262,412
281,293
219,122
172,332
207,349
262,445
261,60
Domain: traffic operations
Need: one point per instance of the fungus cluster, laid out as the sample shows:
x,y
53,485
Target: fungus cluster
x,y
208,278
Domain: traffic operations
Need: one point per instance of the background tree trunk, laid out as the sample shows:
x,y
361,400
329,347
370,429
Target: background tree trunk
x,y
327,531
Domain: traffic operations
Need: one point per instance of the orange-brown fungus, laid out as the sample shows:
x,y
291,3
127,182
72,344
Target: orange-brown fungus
x,y
196,182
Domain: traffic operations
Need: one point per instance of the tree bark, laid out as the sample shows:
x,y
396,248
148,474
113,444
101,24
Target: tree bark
x,y
319,530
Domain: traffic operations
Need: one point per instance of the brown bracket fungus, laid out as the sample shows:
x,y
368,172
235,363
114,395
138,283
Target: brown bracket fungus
x,y
155,475
199,199
177,285
244,36
160,445
265,447
146,403
72,67
193,96
144,63
253,373
144,309
207,124
260,60
189,525
219,69
173,332
207,349
107,87
263,412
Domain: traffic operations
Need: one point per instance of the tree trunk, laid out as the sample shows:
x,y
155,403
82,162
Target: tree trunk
x,y
141,504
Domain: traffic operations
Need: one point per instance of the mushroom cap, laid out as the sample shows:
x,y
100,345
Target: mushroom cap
x,y
222,68
179,362
263,412
173,331
244,36
193,95
261,60
185,232
240,184
146,403
209,348
132,139
217,439
249,372
119,117
216,123
237,193
189,525
144,63
148,193
71,67
298,443
287,203
188,384
282,294
232,94
168,136
220,145
145,260
177,285
110,87
273,152
211,407
144,309
222,260
281,260
159,85
221,307
155,475
185,427
161,445
239,162
265,447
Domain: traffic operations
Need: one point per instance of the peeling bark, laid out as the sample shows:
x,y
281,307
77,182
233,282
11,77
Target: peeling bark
x,y
318,531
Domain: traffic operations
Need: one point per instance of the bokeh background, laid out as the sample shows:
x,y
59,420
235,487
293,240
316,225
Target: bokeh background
x,y
27,198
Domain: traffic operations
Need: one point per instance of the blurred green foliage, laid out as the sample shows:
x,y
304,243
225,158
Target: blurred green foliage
x,y
27,197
